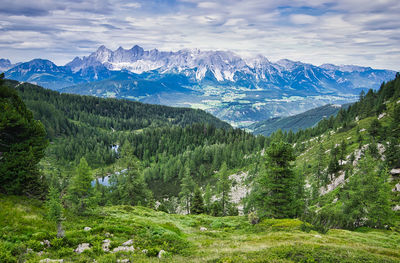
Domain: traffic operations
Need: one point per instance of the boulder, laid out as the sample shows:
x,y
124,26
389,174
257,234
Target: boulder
x,y
106,245
125,260
82,247
203,228
395,171
87,228
161,253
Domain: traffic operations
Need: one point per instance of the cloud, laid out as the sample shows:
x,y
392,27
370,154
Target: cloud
x,y
303,19
314,31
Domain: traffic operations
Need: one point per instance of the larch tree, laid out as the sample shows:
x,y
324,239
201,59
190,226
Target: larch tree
x,y
80,194
224,187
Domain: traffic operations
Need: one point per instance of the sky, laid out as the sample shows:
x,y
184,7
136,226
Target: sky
x,y
357,32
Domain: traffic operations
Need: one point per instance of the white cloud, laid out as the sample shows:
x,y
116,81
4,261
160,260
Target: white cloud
x,y
303,19
314,31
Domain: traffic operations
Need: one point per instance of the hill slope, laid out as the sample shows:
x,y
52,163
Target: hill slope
x,y
227,239
296,122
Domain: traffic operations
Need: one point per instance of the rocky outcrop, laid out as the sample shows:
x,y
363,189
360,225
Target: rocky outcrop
x,y
126,246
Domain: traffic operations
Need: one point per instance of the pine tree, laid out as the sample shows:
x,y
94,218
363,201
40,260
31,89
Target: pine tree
x,y
197,206
80,194
274,192
224,187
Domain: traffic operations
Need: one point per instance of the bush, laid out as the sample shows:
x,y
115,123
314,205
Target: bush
x,y
35,245
5,253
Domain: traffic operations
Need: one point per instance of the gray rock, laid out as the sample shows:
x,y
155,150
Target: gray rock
x,y
128,243
51,260
106,245
87,228
45,243
123,248
82,247
395,171
203,228
161,253
123,260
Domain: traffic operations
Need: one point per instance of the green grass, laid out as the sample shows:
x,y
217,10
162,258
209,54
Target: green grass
x,y
229,239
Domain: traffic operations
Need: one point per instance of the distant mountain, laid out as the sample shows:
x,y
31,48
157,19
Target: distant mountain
x,y
296,122
5,64
240,91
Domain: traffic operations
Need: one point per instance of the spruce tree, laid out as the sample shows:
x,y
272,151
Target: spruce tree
x,y
22,145
274,192
197,206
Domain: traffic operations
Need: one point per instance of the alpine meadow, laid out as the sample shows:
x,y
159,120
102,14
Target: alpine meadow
x,y
182,154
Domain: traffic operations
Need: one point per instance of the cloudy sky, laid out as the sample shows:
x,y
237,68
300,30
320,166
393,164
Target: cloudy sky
x,y
360,32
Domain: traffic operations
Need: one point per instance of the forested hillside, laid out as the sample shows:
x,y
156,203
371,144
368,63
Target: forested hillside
x,y
351,162
166,141
296,122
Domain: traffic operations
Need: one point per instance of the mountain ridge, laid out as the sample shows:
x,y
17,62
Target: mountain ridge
x,y
240,91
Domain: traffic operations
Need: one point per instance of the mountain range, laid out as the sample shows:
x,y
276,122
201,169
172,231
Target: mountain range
x,y
239,90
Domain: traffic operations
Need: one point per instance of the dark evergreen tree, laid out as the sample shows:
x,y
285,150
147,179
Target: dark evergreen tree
x,y
375,128
333,166
274,192
197,206
392,153
22,145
